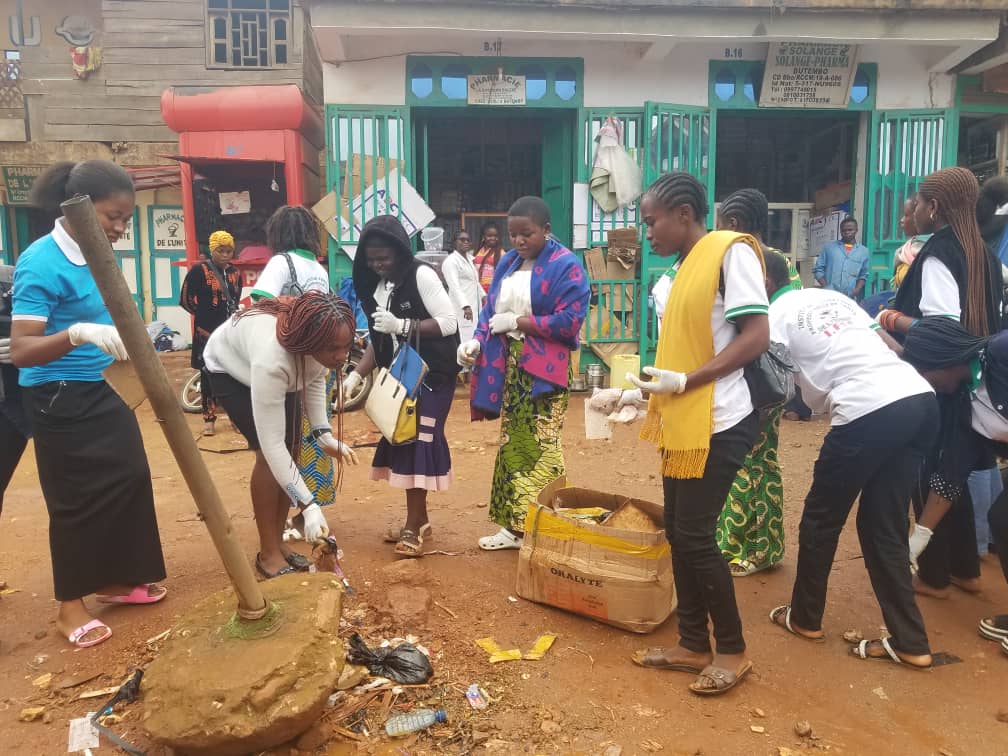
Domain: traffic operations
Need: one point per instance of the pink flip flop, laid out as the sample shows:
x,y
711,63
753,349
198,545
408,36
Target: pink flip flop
x,y
139,595
80,632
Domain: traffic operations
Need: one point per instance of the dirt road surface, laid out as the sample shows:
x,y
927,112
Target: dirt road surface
x,y
585,696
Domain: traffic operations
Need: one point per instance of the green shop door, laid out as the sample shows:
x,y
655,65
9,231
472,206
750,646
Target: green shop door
x,y
558,151
676,138
904,147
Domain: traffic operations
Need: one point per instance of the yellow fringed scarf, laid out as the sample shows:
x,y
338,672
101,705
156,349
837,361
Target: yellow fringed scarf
x,y
682,424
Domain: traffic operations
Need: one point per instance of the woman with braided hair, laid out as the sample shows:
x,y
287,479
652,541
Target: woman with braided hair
x,y
955,276
260,364
701,417
974,371
750,530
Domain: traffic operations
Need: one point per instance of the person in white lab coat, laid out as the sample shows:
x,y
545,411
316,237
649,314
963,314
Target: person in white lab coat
x,y
464,288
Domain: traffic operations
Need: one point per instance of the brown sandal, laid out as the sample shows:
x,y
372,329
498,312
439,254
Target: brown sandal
x,y
654,658
410,544
394,534
721,680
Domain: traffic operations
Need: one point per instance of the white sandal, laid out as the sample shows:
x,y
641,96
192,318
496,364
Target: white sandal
x,y
502,539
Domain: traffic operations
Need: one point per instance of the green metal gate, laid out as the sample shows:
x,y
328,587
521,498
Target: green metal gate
x,y
676,138
904,147
365,144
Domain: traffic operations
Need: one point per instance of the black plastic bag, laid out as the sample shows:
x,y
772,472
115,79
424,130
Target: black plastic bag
x,y
404,664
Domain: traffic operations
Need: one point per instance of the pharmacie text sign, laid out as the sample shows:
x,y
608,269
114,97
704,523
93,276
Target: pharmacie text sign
x,y
496,89
808,75
168,226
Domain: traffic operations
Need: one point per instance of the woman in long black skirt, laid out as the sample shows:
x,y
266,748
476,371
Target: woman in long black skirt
x,y
103,533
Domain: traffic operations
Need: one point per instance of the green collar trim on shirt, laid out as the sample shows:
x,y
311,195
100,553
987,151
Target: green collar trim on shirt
x,y
976,373
303,253
670,271
781,291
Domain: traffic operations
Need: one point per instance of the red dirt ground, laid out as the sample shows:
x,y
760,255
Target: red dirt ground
x,y
585,696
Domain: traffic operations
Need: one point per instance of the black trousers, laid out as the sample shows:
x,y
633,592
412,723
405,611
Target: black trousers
x,y
12,446
878,456
703,581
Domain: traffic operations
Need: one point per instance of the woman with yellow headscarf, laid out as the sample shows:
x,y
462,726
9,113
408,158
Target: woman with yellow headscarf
x,y
210,293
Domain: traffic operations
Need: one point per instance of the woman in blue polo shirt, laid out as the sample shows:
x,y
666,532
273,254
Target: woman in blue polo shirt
x,y
103,533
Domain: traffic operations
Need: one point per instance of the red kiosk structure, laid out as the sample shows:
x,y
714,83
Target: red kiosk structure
x,y
259,146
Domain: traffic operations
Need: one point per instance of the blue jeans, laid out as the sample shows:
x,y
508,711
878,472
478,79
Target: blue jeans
x,y
985,486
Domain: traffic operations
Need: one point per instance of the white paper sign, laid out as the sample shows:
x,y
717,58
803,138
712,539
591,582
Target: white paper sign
x,y
493,89
383,198
126,242
169,229
808,75
823,229
83,734
235,203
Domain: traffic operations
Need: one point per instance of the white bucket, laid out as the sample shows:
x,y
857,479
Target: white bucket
x,y
432,238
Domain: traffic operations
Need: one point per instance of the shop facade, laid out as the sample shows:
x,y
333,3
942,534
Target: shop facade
x,y
477,107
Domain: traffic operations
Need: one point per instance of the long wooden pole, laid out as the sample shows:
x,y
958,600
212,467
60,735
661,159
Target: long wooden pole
x,y
94,244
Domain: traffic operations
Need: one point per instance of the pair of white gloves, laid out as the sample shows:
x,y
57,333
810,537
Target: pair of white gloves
x,y
468,351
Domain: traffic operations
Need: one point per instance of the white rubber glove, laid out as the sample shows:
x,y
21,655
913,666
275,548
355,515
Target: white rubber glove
x,y
631,397
467,353
503,322
105,337
919,540
386,322
351,383
5,358
605,400
335,448
315,526
665,381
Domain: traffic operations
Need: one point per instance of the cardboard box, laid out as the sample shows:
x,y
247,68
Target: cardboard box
x,y
620,577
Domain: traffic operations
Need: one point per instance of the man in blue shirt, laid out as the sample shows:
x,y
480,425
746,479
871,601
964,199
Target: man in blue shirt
x,y
843,265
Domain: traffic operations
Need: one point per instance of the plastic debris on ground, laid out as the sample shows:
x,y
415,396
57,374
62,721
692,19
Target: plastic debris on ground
x,y
497,654
83,734
476,697
405,663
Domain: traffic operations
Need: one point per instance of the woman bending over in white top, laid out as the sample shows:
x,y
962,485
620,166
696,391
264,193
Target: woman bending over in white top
x,y
261,364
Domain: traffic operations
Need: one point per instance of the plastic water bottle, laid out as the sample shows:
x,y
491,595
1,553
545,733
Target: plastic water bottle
x,y
415,721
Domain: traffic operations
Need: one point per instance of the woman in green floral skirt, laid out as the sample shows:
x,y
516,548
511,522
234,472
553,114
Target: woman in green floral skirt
x,y
750,531
521,364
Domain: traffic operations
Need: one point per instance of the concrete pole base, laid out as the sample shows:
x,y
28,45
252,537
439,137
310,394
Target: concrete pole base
x,y
226,687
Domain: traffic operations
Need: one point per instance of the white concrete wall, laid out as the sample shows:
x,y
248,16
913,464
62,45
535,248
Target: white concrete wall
x,y
617,76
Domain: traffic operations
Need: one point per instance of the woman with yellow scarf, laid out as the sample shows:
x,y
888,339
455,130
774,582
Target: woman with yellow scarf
x,y
701,416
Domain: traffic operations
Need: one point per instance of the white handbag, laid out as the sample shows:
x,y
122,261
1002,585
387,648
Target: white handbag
x,y
391,410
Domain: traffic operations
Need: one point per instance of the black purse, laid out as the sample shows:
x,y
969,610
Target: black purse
x,y
771,378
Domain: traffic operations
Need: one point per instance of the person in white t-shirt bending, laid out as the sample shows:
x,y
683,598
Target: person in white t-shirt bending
x,y
884,416
294,235
258,363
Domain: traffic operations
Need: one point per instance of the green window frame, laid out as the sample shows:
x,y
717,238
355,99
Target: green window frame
x,y
438,80
136,284
732,85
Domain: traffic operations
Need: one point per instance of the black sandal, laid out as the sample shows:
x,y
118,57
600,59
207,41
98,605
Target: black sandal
x,y
287,570
299,562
